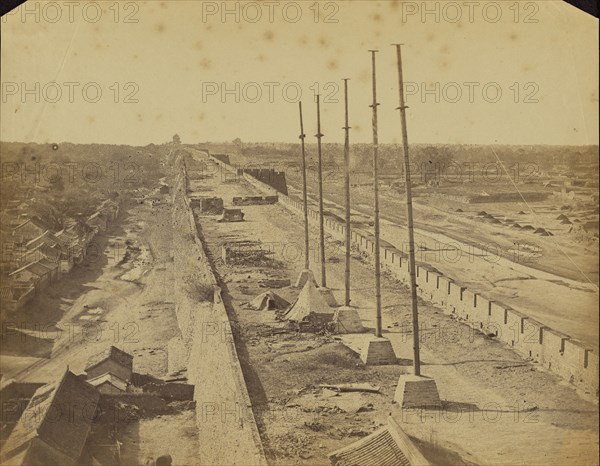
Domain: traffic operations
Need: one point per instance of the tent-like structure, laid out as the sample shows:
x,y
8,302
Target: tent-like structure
x,y
310,305
305,276
268,301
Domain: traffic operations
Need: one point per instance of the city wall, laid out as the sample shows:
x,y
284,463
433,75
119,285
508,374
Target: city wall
x,y
220,392
555,351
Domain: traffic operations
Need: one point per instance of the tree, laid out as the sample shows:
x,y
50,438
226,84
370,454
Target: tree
x,y
176,139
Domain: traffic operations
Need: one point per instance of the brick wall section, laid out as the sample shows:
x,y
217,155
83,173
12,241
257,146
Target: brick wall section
x,y
497,321
480,313
223,405
531,341
515,321
563,356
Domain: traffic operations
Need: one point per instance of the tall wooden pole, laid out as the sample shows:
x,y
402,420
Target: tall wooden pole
x,y
347,190
378,328
304,194
409,217
319,135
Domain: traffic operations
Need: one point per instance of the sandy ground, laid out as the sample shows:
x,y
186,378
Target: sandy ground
x,y
174,434
498,408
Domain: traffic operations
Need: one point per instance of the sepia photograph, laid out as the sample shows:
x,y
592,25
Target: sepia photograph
x,y
299,233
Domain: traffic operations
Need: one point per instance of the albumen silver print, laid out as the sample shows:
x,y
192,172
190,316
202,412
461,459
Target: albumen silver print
x,y
346,233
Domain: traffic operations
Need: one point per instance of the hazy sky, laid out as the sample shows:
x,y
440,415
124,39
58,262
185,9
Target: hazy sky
x,y
182,67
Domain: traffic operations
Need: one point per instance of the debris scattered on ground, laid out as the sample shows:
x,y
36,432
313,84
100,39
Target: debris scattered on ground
x,y
332,402
274,283
353,387
511,366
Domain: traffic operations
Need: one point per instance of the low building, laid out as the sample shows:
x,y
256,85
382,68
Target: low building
x,y
113,361
98,220
15,296
33,273
48,238
28,230
110,208
54,426
84,232
53,266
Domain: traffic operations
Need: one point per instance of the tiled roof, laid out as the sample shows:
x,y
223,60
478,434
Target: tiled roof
x,y
67,433
110,378
47,238
114,353
376,449
35,221
33,267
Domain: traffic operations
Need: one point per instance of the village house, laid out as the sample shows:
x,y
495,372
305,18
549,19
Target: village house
x,y
54,426
47,246
28,255
9,221
34,273
51,265
15,397
75,249
84,233
47,237
11,255
113,361
15,296
98,220
110,208
12,205
80,229
65,258
28,230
